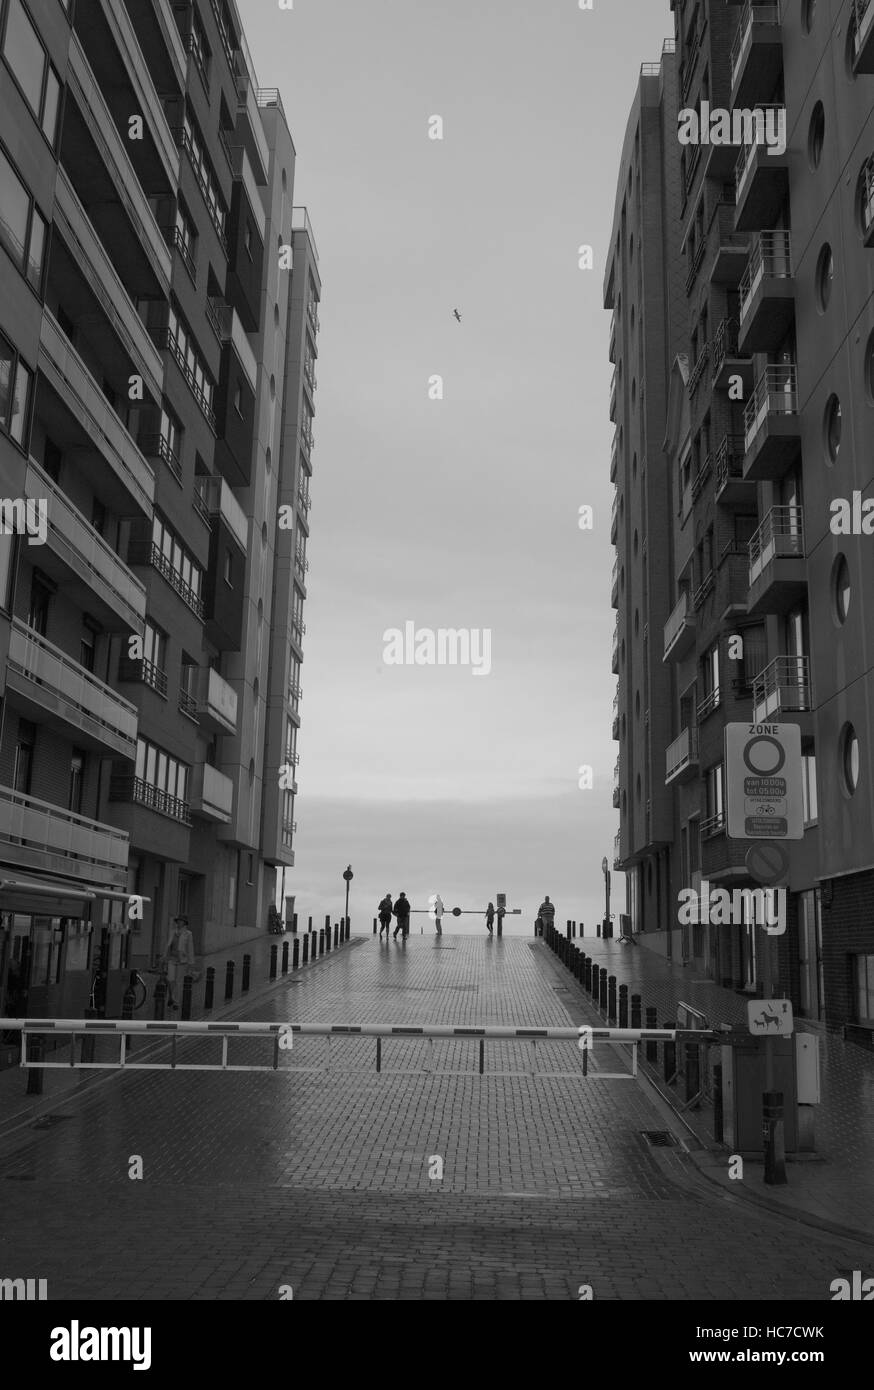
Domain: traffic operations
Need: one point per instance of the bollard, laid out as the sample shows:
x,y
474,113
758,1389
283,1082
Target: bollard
x,y
500,924
210,987
321,941
568,929
187,983
336,935
652,1048
274,952
327,933
670,1054
229,979
295,958
306,947
596,982
285,956
773,1138
294,924
314,944
309,924
374,926
587,973
127,1006
602,989
35,1075
623,1006
636,1002
717,1102
247,968
159,998
348,927
598,929
611,998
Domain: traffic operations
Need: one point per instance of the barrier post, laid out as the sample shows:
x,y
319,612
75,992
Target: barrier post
x,y
187,983
294,924
636,1002
247,967
306,947
374,926
229,979
348,927
274,952
210,987
623,1006
602,992
336,935
314,948
321,941
285,955
295,958
611,998
36,1075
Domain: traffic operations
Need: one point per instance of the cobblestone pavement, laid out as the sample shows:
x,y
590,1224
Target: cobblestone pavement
x,y
322,1179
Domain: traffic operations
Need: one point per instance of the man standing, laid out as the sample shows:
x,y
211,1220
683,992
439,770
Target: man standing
x,y
546,913
385,916
178,958
401,911
438,914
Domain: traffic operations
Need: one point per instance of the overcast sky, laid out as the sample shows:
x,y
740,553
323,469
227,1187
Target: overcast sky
x,y
462,512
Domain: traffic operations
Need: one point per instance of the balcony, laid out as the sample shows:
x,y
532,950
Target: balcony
x,y
732,582
767,293
613,397
614,518
225,322
212,794
218,213
783,687
157,446
772,430
712,700
614,658
136,792
679,630
144,95
90,572
96,267
85,90
701,477
778,572
166,341
614,458
220,504
697,371
616,717
45,837
862,31
616,784
731,251
251,128
727,361
65,371
300,222
614,584
866,200
681,758
611,351
731,490
756,54
211,701
54,689
722,860
706,587
159,561
761,176
617,850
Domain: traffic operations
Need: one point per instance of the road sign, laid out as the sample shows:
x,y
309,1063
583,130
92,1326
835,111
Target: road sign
x,y
763,782
767,863
501,901
769,1018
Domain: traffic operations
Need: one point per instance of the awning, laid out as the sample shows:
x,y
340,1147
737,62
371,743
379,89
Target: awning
x,y
51,897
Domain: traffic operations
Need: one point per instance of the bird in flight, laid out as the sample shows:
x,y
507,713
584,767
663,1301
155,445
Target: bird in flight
x,y
457,315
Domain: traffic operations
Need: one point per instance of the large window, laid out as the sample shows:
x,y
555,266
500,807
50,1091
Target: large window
x,y
29,65
23,229
161,781
808,788
16,381
175,563
864,988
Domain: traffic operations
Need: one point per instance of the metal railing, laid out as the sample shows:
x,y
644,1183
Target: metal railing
x,y
682,752
750,15
166,340
270,96
217,213
863,16
781,535
748,152
784,684
701,476
704,588
676,622
52,670
729,460
710,702
155,446
159,561
698,370
40,825
175,237
300,222
713,825
724,344
776,393
134,789
867,194
771,256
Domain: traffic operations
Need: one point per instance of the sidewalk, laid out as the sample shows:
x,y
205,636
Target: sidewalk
x,y
834,1186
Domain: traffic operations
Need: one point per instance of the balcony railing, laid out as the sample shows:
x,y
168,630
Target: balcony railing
x,y
724,344
215,311
698,370
771,256
776,393
706,587
188,704
783,686
752,14
781,534
160,562
617,849
144,794
300,222
145,671
701,476
867,195
681,753
229,50
713,825
167,342
65,685
41,830
175,237
710,702
217,499
729,460
156,446
862,21
693,154
676,622
269,96
217,213
749,153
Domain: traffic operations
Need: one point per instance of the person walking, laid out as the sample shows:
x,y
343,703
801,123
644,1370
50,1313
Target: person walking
x,y
490,918
438,914
178,958
546,913
385,916
401,911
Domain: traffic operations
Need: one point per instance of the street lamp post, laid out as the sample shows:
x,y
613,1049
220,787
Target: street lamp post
x,y
605,869
348,875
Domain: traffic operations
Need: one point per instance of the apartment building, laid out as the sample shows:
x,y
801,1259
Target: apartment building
x,y
158,330
769,425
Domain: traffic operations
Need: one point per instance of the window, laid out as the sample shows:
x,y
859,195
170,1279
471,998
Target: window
x,y
38,608
7,556
825,276
28,62
161,781
250,868
714,797
238,399
710,681
832,428
841,590
87,650
816,135
24,746
808,788
77,782
15,390
229,568
849,759
863,979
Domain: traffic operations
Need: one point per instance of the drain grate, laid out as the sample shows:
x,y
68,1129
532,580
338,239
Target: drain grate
x,y
659,1138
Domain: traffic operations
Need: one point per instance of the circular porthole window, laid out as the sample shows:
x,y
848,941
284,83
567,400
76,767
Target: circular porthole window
x,y
849,759
832,427
825,276
841,590
816,135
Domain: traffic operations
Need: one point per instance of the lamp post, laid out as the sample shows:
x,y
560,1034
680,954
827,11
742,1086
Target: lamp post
x,y
605,870
348,875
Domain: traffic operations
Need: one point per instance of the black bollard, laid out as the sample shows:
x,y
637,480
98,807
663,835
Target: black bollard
x,y
159,998
568,929
127,1007
321,941
598,929
274,953
294,924
717,1102
670,1055
37,1053
623,1006
295,958
587,973
636,1003
309,924
285,955
500,924
210,987
306,947
187,983
229,979
773,1139
374,926
652,1048
596,982
611,998
314,944
602,991
348,927
336,935
247,968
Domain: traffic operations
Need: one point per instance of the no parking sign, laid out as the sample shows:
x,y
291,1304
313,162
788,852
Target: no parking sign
x,y
763,782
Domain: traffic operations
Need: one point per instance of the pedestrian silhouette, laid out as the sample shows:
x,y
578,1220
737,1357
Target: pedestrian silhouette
x,y
401,911
385,916
490,916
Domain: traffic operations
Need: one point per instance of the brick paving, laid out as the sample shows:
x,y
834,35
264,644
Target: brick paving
x,y
320,1178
